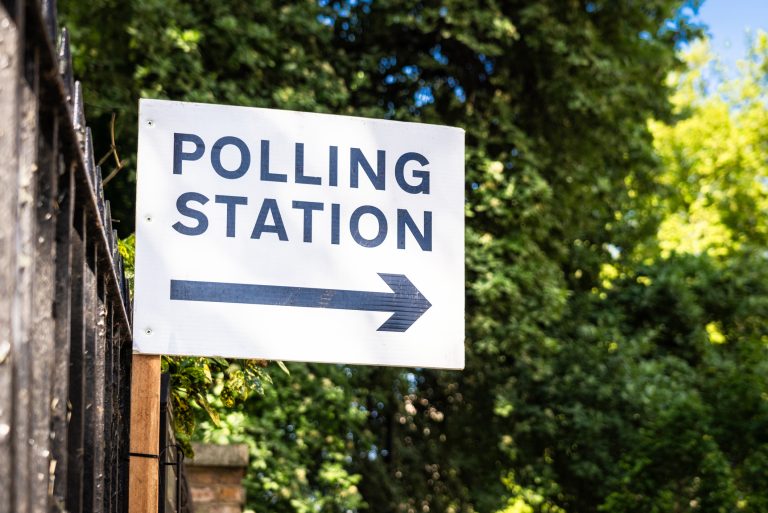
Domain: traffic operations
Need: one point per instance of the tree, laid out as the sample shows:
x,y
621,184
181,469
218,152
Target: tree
x,y
555,98
700,441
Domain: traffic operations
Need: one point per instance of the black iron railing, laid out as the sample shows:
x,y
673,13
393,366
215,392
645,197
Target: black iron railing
x,y
65,320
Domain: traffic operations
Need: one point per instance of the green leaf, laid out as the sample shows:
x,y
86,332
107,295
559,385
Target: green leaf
x,y
283,367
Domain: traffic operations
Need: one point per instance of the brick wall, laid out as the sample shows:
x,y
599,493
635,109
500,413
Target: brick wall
x,y
215,477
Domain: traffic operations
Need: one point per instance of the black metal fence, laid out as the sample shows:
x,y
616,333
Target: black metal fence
x,y
174,494
65,331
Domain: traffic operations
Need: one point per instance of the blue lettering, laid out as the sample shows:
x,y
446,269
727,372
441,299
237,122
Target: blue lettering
x,y
423,238
357,159
185,210
245,157
423,185
179,155
308,207
231,202
333,166
335,222
266,175
300,177
269,207
354,226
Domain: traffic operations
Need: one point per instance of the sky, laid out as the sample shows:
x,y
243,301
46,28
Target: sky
x,y
728,21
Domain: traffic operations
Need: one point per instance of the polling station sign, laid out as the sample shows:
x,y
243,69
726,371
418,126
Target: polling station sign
x,y
302,237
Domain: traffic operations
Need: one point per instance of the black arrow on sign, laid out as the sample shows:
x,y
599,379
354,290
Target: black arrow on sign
x,y
405,300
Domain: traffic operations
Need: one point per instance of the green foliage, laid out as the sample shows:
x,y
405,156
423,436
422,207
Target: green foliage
x,y
702,301
302,434
127,249
210,384
716,158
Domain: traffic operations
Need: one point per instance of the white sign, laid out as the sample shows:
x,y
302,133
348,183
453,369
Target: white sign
x,y
303,237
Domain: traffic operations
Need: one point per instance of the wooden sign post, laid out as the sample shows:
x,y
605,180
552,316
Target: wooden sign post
x,y
143,471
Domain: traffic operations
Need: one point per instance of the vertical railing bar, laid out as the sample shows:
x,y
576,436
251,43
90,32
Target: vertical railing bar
x,y
99,359
91,315
119,268
42,346
100,198
126,360
49,17
78,114
63,312
90,164
108,227
62,304
65,67
107,433
113,360
22,320
10,52
77,370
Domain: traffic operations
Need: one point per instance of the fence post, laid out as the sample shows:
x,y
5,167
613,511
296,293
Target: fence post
x,y
143,472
